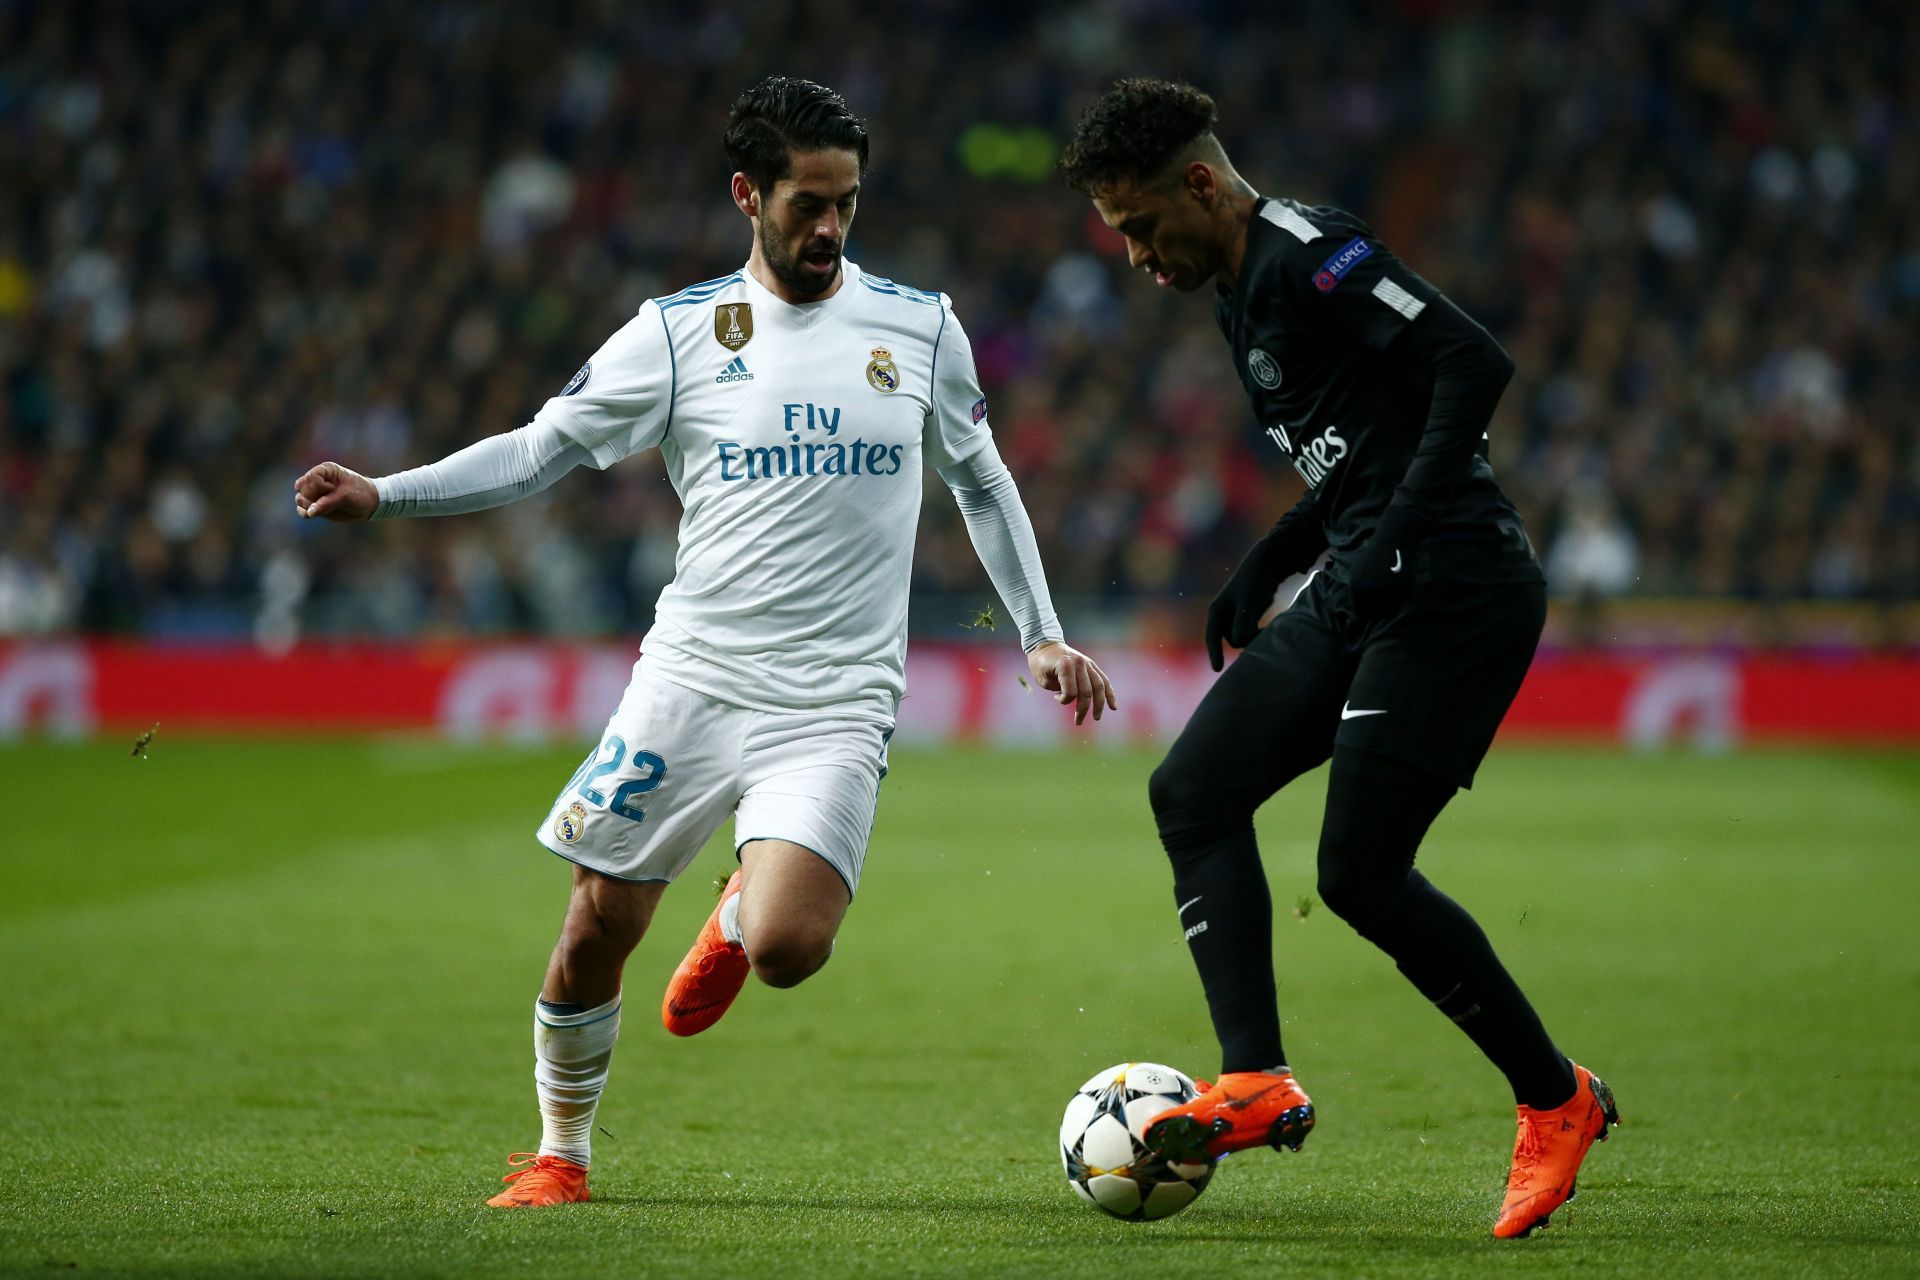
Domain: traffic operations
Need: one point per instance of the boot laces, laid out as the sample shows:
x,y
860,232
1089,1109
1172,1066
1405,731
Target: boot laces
x,y
710,962
523,1163
1530,1146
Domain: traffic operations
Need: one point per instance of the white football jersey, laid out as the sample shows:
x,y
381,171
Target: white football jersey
x,y
795,437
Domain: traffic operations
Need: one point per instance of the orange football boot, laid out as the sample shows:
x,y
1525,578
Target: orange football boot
x,y
1242,1109
538,1180
1548,1151
708,978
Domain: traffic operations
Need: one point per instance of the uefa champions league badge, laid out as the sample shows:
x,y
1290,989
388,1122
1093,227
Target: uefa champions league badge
x,y
882,373
572,824
578,380
733,324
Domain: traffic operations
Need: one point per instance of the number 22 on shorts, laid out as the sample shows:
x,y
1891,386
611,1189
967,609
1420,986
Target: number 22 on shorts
x,y
605,759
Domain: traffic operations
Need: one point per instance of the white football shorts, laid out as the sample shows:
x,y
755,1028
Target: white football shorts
x,y
674,763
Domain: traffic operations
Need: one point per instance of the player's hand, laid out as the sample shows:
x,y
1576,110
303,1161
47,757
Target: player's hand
x,y
1234,615
1071,676
1383,571
331,492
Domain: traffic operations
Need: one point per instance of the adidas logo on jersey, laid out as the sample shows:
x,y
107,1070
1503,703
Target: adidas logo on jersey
x,y
736,371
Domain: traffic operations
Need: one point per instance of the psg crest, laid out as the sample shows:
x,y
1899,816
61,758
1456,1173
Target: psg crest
x,y
1264,368
733,324
882,372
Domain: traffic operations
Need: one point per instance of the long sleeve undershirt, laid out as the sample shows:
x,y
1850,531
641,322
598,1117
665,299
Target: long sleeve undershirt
x,y
502,468
1470,370
489,473
1003,539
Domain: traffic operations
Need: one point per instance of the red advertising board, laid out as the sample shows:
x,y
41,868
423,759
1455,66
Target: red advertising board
x,y
955,693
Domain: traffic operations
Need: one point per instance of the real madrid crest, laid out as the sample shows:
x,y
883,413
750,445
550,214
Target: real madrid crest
x,y
733,324
882,372
571,824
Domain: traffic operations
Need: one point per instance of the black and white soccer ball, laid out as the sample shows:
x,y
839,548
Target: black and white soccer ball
x,y
1101,1144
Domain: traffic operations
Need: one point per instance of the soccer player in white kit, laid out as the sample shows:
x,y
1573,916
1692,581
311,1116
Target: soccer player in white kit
x,y
795,402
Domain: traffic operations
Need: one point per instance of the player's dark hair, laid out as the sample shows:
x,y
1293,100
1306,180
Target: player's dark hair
x,y
785,114
1133,131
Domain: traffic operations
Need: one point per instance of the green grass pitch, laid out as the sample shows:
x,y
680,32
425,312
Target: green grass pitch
x,y
267,1012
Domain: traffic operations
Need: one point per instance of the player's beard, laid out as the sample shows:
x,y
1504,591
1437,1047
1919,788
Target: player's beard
x,y
786,266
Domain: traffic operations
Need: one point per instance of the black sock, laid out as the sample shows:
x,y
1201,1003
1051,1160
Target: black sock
x,y
1220,889
1378,811
1446,955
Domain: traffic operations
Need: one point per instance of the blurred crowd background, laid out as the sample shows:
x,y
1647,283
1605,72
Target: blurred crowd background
x,y
238,238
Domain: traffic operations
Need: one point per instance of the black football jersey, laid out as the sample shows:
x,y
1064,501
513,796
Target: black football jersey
x,y
1313,323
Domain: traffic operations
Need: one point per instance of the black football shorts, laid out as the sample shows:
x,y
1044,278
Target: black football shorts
x,y
1427,686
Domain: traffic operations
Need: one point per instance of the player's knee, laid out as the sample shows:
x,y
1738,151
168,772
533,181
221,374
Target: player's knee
x,y
584,942
1186,805
1361,894
1345,893
606,915
589,935
1174,790
789,957
1191,813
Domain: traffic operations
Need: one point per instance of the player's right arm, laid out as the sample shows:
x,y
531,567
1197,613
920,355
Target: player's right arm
x,y
617,405
486,474
1290,547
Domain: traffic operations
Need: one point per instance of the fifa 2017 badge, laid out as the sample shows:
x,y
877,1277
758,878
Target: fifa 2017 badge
x,y
733,324
571,825
882,372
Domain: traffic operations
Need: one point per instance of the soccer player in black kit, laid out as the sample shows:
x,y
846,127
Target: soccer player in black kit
x,y
1397,660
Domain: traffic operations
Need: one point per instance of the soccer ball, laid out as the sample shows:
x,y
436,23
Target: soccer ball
x,y
1100,1143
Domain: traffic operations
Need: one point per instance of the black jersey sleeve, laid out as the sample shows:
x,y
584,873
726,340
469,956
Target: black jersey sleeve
x,y
1340,282
1470,370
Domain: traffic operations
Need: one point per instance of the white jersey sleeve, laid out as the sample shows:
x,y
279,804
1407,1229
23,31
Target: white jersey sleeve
x,y
1003,538
957,421
621,401
498,469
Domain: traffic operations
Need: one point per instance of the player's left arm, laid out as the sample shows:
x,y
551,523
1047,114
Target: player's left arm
x,y
1003,539
1469,371
1380,303
959,444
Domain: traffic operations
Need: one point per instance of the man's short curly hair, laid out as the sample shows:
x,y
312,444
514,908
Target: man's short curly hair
x,y
785,114
1133,131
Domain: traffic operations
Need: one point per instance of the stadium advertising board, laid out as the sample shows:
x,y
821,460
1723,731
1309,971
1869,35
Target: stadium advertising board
x,y
536,692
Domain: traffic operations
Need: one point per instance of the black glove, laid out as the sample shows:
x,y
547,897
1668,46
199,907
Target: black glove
x,y
1383,571
1235,613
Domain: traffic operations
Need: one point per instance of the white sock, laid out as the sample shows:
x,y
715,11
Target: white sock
x,y
571,1054
730,921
